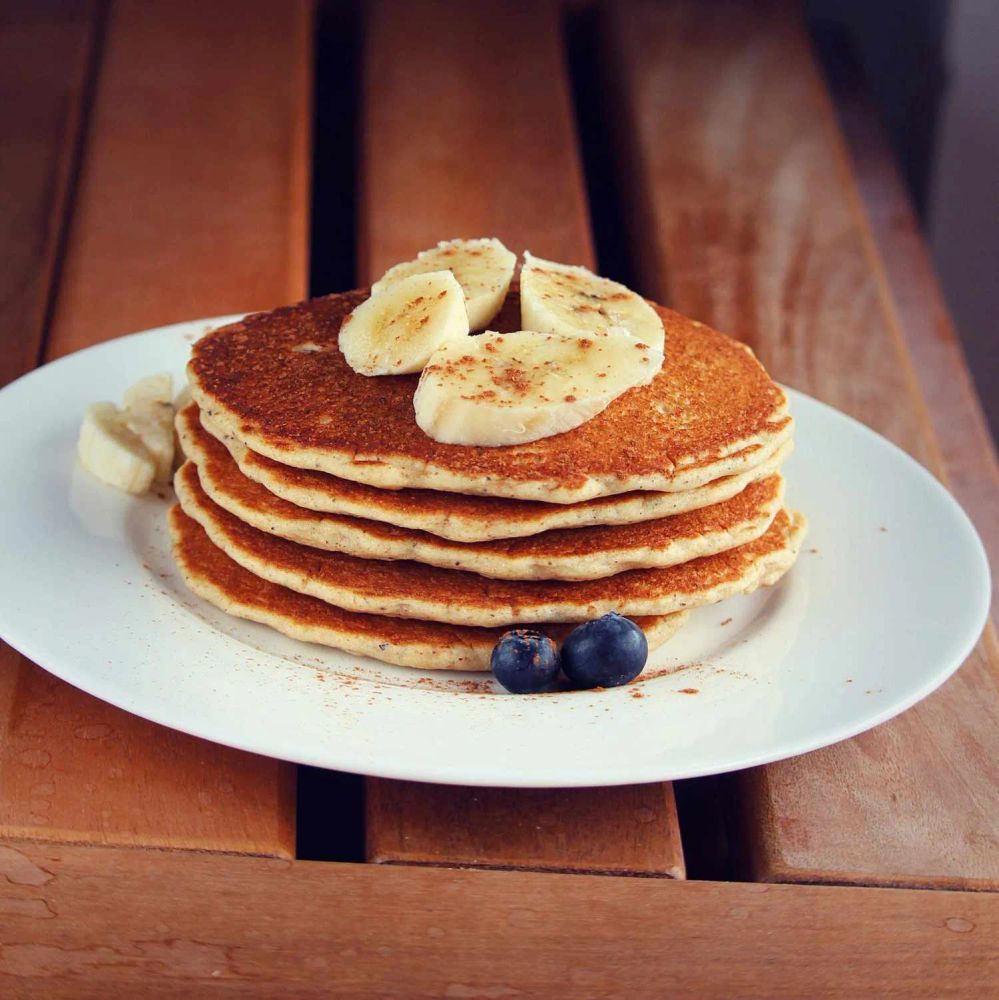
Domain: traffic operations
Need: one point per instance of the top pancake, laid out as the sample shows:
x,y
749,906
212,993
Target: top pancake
x,y
278,383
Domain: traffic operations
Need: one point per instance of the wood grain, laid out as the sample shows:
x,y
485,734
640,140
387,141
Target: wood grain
x,y
42,101
468,131
75,769
111,923
454,147
194,194
192,201
627,830
967,451
747,216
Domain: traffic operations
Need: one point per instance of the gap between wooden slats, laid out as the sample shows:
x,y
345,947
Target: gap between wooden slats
x,y
192,201
468,131
746,215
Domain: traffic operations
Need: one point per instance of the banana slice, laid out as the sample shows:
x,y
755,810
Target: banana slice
x,y
396,330
483,267
112,452
565,299
149,413
149,391
511,388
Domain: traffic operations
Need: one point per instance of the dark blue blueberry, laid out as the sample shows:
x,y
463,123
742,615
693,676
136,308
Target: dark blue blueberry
x,y
607,652
525,661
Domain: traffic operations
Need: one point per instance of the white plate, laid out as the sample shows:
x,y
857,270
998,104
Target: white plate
x,y
885,602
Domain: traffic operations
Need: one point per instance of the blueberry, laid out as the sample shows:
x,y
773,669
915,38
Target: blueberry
x,y
524,661
607,652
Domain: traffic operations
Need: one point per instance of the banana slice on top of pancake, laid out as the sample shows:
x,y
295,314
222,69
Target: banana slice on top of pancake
x,y
396,330
511,388
483,267
566,299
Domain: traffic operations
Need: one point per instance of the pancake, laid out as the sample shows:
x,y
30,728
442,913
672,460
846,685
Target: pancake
x,y
278,383
566,554
477,518
406,642
414,590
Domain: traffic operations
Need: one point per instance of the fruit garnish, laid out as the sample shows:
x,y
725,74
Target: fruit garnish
x,y
511,388
483,268
396,330
607,652
525,661
565,299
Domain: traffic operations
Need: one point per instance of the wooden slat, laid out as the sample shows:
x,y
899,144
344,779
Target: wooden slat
x,y
74,769
194,195
565,829
746,215
968,452
192,201
468,131
449,148
111,923
42,102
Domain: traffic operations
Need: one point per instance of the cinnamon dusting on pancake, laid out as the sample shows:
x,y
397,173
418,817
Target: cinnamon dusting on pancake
x,y
711,396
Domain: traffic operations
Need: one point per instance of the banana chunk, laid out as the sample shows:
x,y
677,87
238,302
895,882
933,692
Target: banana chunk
x,y
113,452
149,391
565,299
149,413
511,388
396,330
483,267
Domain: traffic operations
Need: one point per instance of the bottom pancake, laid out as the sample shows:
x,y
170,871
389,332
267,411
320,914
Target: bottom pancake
x,y
405,642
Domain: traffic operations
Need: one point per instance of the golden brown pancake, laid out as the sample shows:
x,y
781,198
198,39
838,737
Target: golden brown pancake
x,y
476,518
414,590
567,554
278,383
407,642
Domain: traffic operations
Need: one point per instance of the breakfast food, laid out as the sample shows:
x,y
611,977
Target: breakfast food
x,y
362,472
712,411
149,413
526,661
606,652
396,331
132,447
484,269
561,298
513,388
413,590
113,452
405,642
568,554
472,518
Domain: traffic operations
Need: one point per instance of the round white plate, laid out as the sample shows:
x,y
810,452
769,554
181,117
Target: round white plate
x,y
887,599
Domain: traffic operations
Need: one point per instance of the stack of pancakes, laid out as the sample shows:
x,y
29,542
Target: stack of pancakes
x,y
310,500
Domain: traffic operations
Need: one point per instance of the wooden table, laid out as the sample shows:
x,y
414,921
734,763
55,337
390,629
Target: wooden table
x,y
160,162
